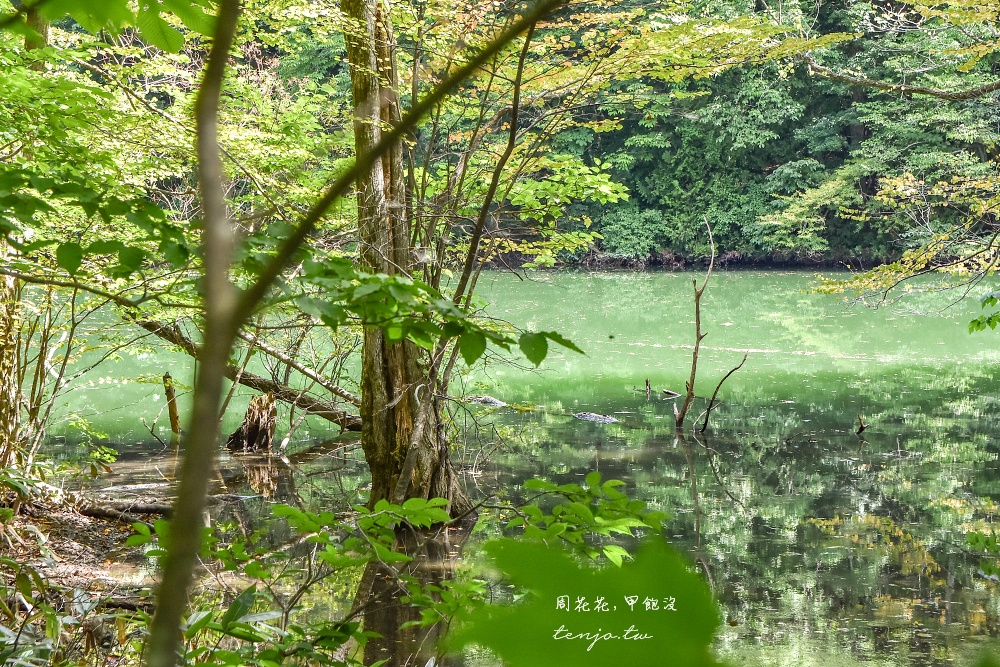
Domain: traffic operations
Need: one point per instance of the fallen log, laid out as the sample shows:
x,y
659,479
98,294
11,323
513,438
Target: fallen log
x,y
325,409
128,604
105,509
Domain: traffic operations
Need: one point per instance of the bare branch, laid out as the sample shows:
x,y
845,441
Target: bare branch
x,y
484,210
711,402
305,370
681,414
857,80
329,411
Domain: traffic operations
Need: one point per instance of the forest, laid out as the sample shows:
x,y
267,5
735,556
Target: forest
x,y
490,332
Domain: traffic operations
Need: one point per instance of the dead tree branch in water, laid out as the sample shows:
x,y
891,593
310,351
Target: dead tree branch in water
x,y
711,402
680,414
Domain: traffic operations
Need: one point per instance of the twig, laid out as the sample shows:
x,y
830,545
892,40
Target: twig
x,y
711,402
952,96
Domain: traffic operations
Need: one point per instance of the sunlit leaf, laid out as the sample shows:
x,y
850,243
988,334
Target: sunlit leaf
x,y
578,616
534,346
69,256
158,31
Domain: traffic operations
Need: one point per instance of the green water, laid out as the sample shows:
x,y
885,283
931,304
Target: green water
x,y
638,326
823,547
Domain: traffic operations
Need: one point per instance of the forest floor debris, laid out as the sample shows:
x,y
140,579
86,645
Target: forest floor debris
x,y
76,551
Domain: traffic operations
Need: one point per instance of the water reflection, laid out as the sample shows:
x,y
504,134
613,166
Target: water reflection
x,y
402,641
398,637
818,542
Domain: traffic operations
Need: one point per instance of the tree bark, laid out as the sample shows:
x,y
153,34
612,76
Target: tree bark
x,y
401,433
256,433
10,294
10,389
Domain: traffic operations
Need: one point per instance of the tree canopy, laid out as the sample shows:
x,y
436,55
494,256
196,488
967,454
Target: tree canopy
x,y
302,196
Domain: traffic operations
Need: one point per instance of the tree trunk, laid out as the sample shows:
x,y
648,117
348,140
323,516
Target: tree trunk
x,y
402,434
256,433
10,385
10,388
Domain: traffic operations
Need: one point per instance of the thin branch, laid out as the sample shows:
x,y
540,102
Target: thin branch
x,y
221,325
255,294
305,370
952,96
484,210
711,402
71,284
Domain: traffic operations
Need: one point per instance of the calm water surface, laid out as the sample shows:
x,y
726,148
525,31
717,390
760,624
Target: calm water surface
x,y
824,548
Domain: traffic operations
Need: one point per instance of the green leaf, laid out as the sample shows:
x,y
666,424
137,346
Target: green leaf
x,y
536,484
196,622
240,606
559,340
192,16
23,584
534,345
157,31
69,256
137,540
130,259
244,633
93,16
548,630
615,554
105,247
176,253
414,504
472,345
388,556
262,616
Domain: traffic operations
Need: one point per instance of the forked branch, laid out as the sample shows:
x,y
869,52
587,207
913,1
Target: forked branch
x,y
681,414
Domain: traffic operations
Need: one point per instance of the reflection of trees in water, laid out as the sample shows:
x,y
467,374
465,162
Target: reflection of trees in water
x,y
302,478
273,479
815,538
434,556
323,476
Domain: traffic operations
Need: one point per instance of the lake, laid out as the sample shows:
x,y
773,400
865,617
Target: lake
x,y
824,547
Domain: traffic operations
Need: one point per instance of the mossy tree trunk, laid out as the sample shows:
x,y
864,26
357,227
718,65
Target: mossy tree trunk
x,y
10,387
402,434
10,296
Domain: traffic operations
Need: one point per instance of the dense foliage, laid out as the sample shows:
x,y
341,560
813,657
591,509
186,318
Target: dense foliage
x,y
268,186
